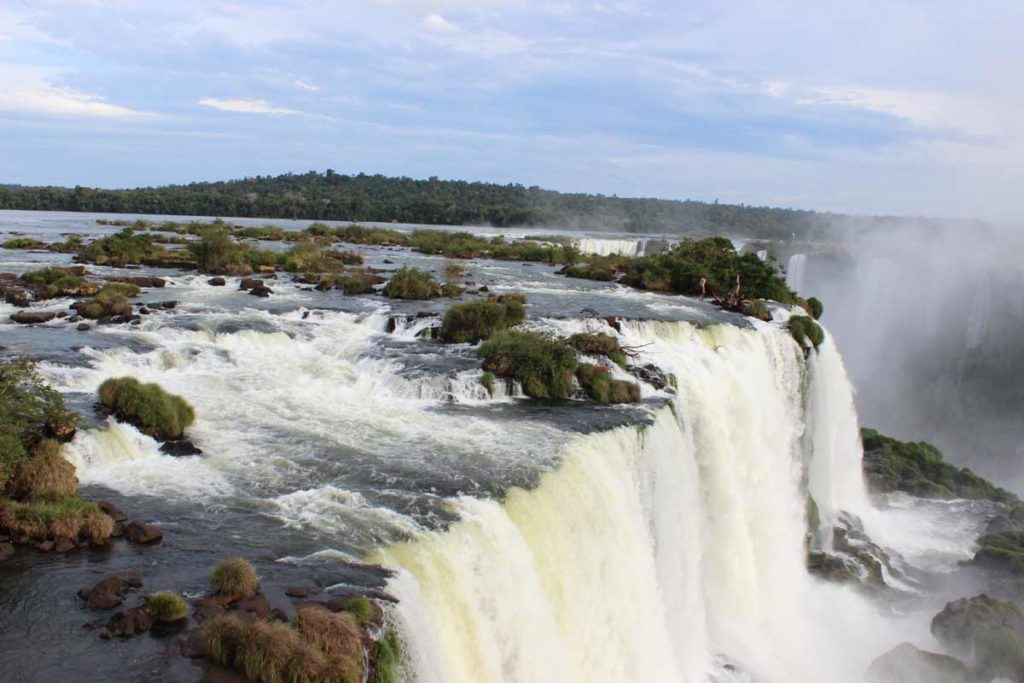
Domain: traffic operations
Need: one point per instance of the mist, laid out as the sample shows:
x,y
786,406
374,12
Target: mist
x,y
930,322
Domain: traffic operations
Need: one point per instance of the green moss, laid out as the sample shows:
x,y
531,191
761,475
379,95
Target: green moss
x,y
389,658
360,608
1003,551
166,607
411,283
597,382
155,412
806,332
476,320
543,365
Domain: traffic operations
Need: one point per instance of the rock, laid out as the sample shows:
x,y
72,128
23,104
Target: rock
x,y
45,546
169,304
33,317
143,310
193,647
484,289
109,592
180,448
65,546
987,633
62,314
82,327
297,591
6,550
210,607
111,510
118,531
130,622
907,664
75,319
261,291
216,282
140,280
613,322
250,283
651,374
256,606
140,532
278,614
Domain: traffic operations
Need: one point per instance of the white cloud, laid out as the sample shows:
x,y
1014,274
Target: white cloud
x,y
246,106
303,85
30,90
435,22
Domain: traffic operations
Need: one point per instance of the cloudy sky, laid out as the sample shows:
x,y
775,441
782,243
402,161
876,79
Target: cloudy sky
x,y
904,107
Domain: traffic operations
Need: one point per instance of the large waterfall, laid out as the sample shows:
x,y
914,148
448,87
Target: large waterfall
x,y
671,552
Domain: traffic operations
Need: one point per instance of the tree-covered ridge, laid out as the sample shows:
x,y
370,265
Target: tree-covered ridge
x,y
334,196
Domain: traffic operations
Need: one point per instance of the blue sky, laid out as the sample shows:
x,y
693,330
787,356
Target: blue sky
x,y
899,107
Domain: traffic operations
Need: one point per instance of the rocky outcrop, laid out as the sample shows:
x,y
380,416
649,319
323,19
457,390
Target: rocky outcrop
x,y
987,633
129,623
908,664
33,317
180,448
216,281
109,592
142,533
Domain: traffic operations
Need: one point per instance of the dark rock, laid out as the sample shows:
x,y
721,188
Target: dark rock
x,y
143,310
140,532
139,280
65,546
261,291
111,510
169,304
75,319
216,282
250,283
130,622
62,314
484,289
193,647
45,546
33,317
82,327
256,606
278,614
651,374
210,607
613,322
109,592
180,448
163,629
341,596
118,531
6,550
987,633
297,591
906,663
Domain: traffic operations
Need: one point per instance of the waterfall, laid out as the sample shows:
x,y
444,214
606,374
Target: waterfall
x,y
673,552
599,246
795,271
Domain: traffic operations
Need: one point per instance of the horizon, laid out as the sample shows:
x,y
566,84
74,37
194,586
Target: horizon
x,y
828,109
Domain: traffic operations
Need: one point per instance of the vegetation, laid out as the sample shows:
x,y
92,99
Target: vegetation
x,y
487,381
412,283
215,252
757,308
23,243
334,196
474,321
166,607
55,281
596,380
155,412
599,344
987,632
357,281
122,248
600,268
389,658
815,307
360,608
543,365
58,518
1003,551
110,300
235,578
806,332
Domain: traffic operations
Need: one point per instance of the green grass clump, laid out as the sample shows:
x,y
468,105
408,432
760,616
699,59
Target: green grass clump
x,y
155,412
411,283
476,320
70,245
600,268
44,474
166,607
599,344
487,380
807,333
357,234
111,299
543,365
389,658
361,609
815,307
596,380
235,578
122,248
58,281
757,308
57,518
23,243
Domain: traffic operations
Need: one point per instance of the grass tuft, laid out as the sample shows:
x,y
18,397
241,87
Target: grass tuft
x,y
235,578
162,415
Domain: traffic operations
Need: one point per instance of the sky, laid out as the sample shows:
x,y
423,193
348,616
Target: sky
x,y
906,107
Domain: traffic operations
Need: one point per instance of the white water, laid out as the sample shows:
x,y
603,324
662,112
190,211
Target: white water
x,y
651,554
795,271
599,246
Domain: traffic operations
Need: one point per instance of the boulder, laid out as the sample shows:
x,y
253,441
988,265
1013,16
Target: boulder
x,y
140,280
987,633
261,291
297,591
112,511
256,606
907,664
45,546
216,282
33,317
64,546
109,592
651,374
169,304
250,283
180,448
140,532
6,550
82,327
130,622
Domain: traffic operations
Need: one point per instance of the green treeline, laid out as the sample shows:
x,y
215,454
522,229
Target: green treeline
x,y
333,196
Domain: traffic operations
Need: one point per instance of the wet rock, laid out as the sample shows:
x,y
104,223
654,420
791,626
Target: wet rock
x,y
62,314
987,633
140,280
33,317
163,629
193,647
118,531
140,532
261,291
341,597
651,374
75,319
216,282
64,546
256,606
109,592
297,591
250,283
613,322
210,607
907,663
143,310
169,304
180,448
129,623
6,550
112,511
484,289
82,327
278,614
45,546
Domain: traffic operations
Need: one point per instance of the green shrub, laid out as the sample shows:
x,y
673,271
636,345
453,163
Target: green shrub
x,y
476,320
215,251
805,330
55,518
599,344
155,412
122,248
310,257
389,658
23,243
487,380
815,307
360,608
543,365
357,234
235,578
58,281
411,283
757,308
596,268
44,473
166,607
70,245
596,380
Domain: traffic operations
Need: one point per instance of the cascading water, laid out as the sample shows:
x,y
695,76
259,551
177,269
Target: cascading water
x,y
608,247
796,269
660,553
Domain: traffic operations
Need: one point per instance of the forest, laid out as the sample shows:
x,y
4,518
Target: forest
x,y
377,198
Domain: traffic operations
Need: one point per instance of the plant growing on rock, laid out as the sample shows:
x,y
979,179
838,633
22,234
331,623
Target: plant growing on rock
x,y
807,333
66,518
111,300
389,658
122,248
411,283
815,307
166,607
235,578
155,412
23,243
599,344
476,320
543,365
596,380
56,281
